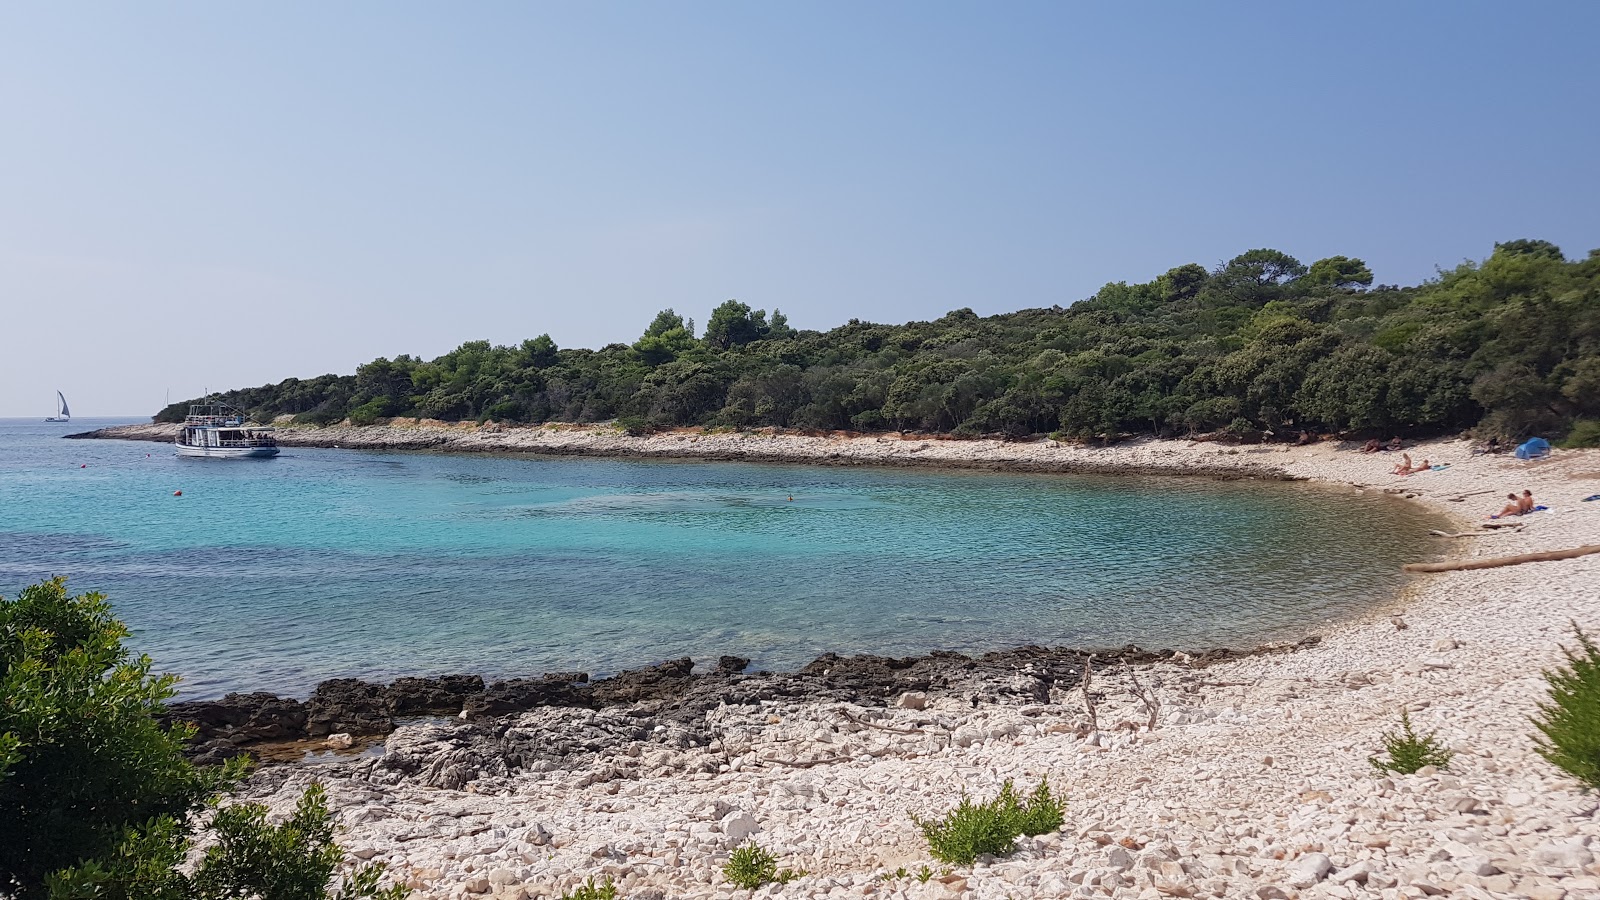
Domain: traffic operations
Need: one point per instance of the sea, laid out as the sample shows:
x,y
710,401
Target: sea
x,y
273,575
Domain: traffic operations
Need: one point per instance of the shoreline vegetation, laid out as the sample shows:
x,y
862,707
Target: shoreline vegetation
x,y
1259,344
1248,777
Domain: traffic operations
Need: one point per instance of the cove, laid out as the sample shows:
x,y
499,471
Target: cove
x,y
277,574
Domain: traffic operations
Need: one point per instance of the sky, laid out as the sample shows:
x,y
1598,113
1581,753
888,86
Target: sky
x,y
205,196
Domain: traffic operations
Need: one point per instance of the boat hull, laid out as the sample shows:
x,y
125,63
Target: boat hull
x,y
226,452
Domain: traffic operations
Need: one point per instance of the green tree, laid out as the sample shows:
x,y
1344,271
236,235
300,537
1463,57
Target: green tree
x,y
1530,247
665,339
1184,281
1339,272
1263,267
733,324
96,798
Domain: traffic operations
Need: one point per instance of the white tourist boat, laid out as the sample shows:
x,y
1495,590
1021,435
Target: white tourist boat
x,y
62,413
218,431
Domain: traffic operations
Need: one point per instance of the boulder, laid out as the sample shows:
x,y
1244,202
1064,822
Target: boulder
x,y
1309,869
348,705
739,825
445,695
665,681
522,694
731,665
241,718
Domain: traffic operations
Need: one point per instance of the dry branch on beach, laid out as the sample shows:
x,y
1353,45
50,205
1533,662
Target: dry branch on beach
x,y
1499,561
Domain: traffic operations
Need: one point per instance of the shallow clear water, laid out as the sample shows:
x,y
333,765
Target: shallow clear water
x,y
276,574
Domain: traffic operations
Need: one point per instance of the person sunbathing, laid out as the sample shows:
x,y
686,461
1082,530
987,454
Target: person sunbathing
x,y
1514,508
1373,446
1405,467
1525,503
1422,468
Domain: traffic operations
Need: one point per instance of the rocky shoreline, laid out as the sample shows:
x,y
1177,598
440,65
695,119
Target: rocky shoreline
x,y
1244,778
348,712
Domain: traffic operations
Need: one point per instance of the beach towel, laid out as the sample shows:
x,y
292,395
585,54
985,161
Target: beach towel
x,y
1534,448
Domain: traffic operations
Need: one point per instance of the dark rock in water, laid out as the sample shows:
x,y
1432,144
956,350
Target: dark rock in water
x,y
522,694
445,695
664,681
731,665
241,718
348,705
880,677
580,677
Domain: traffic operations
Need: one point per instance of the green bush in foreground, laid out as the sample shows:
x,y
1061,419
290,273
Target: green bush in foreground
x,y
974,829
1569,724
1408,751
96,798
88,771
751,866
605,890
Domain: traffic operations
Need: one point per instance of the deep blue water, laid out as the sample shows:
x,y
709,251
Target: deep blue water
x,y
276,574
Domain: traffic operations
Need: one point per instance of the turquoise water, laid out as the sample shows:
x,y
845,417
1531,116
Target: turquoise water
x,y
276,574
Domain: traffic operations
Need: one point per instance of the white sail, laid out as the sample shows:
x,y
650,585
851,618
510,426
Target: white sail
x,y
62,413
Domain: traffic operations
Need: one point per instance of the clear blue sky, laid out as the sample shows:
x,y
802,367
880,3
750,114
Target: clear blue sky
x,y
218,195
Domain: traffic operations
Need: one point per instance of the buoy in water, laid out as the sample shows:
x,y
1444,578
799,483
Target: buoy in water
x,y
84,466
177,493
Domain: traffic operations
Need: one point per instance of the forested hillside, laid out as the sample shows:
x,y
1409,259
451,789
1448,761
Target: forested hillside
x,y
1509,346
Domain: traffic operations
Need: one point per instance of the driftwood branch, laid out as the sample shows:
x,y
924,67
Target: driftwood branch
x,y
827,761
1088,698
806,765
865,724
1455,534
1499,561
1147,696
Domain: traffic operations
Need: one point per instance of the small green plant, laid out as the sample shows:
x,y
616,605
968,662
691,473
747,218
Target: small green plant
x,y
1408,751
750,866
605,890
1569,724
992,827
925,874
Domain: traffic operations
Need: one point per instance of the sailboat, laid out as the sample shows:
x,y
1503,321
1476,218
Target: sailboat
x,y
62,413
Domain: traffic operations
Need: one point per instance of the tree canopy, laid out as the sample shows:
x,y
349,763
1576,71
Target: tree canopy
x,y
1261,342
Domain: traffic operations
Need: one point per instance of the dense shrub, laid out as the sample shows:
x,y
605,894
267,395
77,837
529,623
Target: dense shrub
x,y
1408,751
96,799
992,827
1569,724
1584,433
89,763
